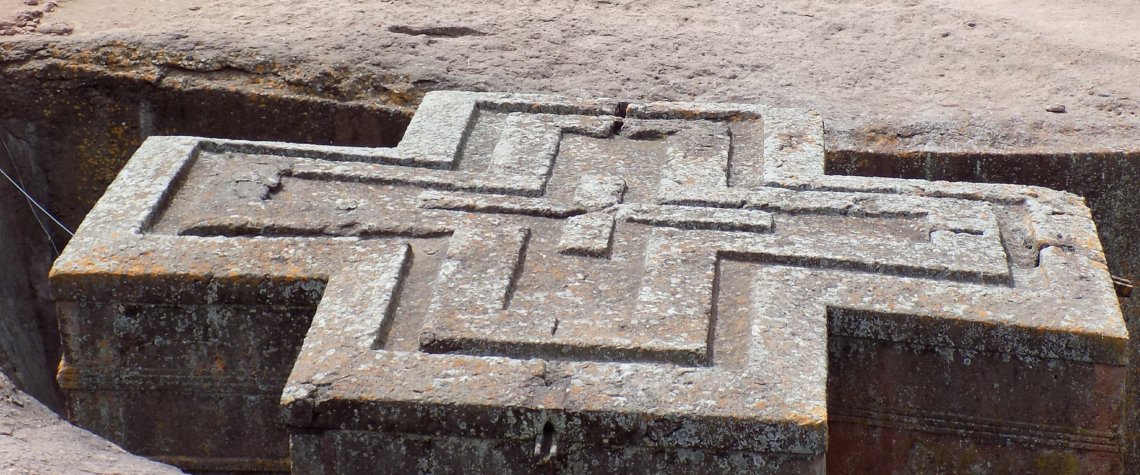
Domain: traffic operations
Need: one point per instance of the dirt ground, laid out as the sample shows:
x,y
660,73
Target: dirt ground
x,y
917,74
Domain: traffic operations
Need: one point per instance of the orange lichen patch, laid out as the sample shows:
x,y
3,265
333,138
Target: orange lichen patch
x,y
814,417
102,151
879,139
1059,463
67,377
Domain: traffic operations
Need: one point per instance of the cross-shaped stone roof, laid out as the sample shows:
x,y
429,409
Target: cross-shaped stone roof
x,y
667,275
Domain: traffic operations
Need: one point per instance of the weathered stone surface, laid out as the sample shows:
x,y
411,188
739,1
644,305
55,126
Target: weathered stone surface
x,y
530,282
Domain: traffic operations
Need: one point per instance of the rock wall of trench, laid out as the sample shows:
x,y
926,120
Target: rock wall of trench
x,y
67,131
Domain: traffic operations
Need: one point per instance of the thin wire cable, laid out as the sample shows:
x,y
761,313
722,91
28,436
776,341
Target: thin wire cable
x,y
32,201
21,187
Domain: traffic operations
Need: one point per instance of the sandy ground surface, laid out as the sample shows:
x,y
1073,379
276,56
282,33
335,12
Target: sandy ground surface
x,y
915,74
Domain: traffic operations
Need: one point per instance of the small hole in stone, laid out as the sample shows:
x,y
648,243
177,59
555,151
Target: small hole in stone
x,y
547,441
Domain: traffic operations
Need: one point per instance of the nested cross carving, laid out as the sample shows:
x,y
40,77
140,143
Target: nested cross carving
x,y
567,258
